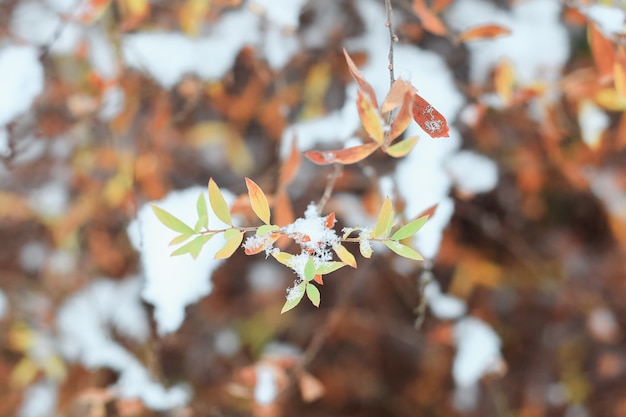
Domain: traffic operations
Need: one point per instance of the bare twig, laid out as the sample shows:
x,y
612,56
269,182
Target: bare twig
x,y
330,185
425,278
392,38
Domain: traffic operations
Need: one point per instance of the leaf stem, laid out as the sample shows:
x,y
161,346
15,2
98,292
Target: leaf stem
x,y
330,185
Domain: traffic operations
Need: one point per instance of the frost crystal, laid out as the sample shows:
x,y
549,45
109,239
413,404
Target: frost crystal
x,y
296,291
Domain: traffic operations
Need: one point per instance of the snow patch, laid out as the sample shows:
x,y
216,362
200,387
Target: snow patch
x,y
21,80
472,173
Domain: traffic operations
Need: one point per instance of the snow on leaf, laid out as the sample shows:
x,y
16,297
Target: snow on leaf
x,y
218,204
328,267
314,294
358,77
488,31
170,221
396,95
342,156
429,119
384,220
403,250
402,119
370,118
409,229
265,229
402,148
294,296
258,201
344,255
233,238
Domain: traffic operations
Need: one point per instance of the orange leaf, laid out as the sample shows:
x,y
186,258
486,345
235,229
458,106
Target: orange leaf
x,y
370,118
342,156
429,119
504,80
283,210
264,243
439,5
330,220
396,95
619,71
602,50
358,77
258,201
403,118
318,278
429,20
311,388
290,166
483,32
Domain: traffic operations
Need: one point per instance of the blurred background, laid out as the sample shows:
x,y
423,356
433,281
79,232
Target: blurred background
x,y
518,309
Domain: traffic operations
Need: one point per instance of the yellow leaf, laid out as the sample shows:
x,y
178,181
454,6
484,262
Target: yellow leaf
x,y
370,118
402,148
385,220
258,201
344,255
24,372
504,80
231,245
218,204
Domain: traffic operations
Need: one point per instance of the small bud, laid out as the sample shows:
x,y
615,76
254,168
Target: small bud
x,y
387,24
394,38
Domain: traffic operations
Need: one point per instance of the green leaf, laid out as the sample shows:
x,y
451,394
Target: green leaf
x,y
403,250
409,229
218,203
258,201
402,148
385,220
193,247
328,267
203,214
294,297
180,239
170,221
309,270
314,294
265,229
283,257
233,241
348,230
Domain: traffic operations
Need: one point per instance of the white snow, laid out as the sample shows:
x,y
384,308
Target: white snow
x,y
472,173
112,104
478,351
227,342
611,19
605,184
282,13
593,122
172,283
265,390
4,304
85,321
21,81
102,54
5,148
32,256
50,200
443,306
40,400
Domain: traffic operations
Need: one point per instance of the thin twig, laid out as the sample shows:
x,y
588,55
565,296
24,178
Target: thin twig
x,y
330,185
392,38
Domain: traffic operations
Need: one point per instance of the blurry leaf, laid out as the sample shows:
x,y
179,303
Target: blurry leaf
x,y
609,99
54,367
396,95
370,118
602,51
233,238
258,201
342,156
292,300
203,214
481,32
171,221
266,228
309,269
403,250
504,80
429,119
402,119
283,257
24,372
314,294
180,239
193,247
218,204
619,71
439,5
402,148
328,267
358,77
133,13
316,86
283,211
191,14
290,166
227,138
429,20
311,389
409,229
91,10
344,255
384,220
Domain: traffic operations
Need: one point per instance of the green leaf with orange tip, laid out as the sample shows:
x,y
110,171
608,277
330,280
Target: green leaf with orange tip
x,y
409,229
342,156
193,247
233,238
385,220
344,255
314,294
218,203
294,301
402,119
403,250
370,118
170,221
258,201
402,148
203,214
